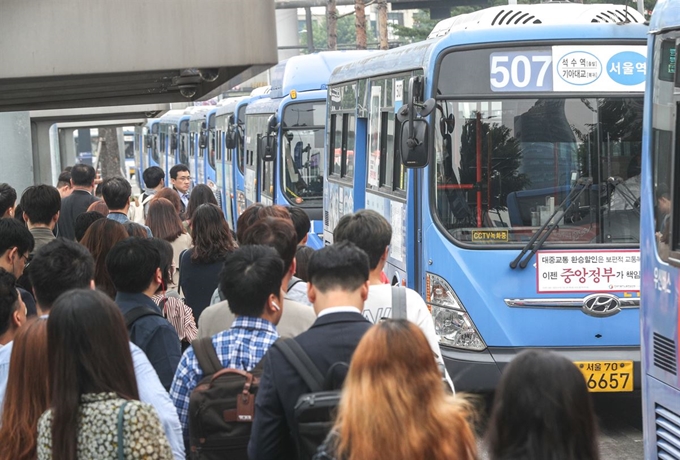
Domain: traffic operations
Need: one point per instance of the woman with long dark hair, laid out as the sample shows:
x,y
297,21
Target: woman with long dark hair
x,y
95,401
394,405
27,393
201,194
200,265
542,410
99,239
165,224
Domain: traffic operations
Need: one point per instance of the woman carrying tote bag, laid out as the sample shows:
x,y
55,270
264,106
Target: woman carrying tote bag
x,y
95,410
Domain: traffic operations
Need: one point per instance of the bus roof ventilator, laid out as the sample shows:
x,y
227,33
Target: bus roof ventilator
x,y
542,14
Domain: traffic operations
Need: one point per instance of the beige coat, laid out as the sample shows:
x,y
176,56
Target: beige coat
x,y
296,318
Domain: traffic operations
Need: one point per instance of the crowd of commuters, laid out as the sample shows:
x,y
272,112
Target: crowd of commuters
x,y
115,322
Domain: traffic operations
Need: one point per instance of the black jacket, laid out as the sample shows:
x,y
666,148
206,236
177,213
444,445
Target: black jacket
x,y
332,338
154,335
71,207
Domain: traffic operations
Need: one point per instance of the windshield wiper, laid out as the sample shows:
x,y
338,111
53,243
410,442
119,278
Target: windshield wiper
x,y
626,193
571,198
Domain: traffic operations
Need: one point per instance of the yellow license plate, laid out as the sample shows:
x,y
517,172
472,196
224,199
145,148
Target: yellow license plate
x,y
607,376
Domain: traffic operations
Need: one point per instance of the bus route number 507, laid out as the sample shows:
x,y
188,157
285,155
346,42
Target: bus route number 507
x,y
521,71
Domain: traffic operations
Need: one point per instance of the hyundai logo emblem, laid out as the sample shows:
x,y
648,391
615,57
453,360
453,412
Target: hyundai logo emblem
x,y
601,305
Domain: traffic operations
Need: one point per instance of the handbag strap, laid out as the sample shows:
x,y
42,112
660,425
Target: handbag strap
x,y
398,302
121,413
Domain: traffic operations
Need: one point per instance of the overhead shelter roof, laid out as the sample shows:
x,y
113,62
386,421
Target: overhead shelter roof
x,y
77,53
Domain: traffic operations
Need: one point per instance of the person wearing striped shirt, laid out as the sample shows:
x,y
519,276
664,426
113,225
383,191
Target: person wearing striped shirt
x,y
251,281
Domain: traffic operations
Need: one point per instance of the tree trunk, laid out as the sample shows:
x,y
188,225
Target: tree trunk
x,y
382,24
109,156
332,23
360,23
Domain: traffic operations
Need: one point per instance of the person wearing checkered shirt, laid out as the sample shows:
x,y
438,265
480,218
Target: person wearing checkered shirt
x,y
251,281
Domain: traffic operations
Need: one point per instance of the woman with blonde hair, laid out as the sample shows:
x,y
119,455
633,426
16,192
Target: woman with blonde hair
x,y
394,404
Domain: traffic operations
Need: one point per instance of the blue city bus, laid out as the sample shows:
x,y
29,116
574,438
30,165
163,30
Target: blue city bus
x,y
505,152
660,233
285,136
208,144
197,119
238,129
225,131
173,132
152,143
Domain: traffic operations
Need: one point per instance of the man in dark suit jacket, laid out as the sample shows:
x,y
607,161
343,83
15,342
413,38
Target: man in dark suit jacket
x,y
82,181
338,289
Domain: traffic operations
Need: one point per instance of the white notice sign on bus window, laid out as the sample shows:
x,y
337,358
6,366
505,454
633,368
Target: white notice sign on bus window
x,y
588,271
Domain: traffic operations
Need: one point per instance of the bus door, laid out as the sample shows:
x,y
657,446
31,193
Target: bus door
x,y
256,126
386,181
267,165
238,161
193,141
201,139
345,168
211,161
172,147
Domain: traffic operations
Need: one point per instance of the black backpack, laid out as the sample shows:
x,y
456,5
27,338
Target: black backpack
x,y
221,407
314,412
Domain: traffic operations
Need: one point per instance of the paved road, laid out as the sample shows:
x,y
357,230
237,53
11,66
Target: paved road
x,y
620,418
620,423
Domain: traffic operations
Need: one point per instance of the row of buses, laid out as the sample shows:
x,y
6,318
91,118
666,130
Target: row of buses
x,y
507,151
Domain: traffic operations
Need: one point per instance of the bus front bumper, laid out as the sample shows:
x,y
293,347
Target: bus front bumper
x,y
480,371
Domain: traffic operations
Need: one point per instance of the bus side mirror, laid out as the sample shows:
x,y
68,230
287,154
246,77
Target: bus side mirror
x,y
173,141
267,147
413,144
203,140
413,135
148,142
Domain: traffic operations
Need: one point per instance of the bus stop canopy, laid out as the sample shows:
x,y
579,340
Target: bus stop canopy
x,y
81,53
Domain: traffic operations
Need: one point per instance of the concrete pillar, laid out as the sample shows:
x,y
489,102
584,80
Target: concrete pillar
x,y
287,32
15,150
46,153
67,146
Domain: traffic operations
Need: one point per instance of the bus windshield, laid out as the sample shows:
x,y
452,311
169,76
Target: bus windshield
x,y
504,166
303,147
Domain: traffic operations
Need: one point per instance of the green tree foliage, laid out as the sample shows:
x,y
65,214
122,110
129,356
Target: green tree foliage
x,y
347,36
422,26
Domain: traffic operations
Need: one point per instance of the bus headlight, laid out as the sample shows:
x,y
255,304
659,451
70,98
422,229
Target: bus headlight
x,y
451,321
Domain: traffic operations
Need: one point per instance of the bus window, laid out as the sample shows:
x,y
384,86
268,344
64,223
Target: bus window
x,y
336,145
348,146
303,150
509,163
